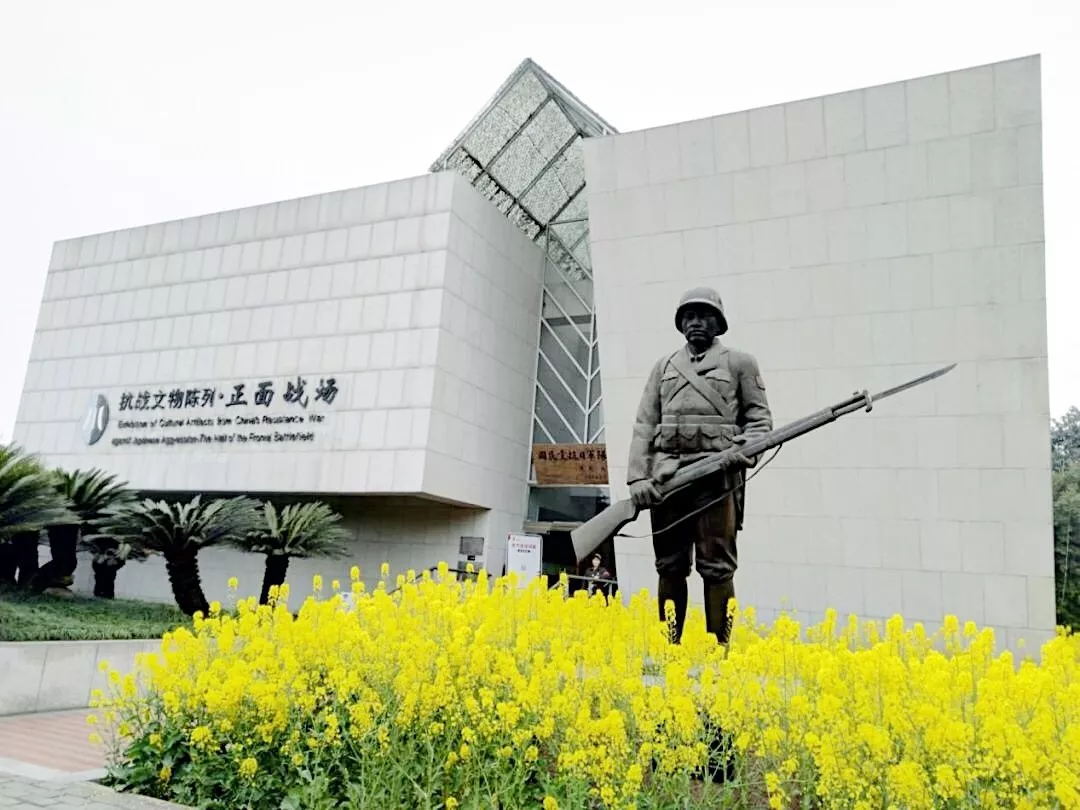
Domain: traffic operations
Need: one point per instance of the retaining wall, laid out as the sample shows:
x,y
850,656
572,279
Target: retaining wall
x,y
45,676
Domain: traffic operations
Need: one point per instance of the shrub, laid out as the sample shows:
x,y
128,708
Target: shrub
x,y
480,694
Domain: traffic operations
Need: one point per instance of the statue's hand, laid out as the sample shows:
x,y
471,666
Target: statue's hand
x,y
735,460
644,494
740,460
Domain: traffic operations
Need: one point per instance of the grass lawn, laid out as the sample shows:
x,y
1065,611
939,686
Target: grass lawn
x,y
34,617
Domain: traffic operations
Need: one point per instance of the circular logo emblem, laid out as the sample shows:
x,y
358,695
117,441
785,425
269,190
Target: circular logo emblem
x,y
96,419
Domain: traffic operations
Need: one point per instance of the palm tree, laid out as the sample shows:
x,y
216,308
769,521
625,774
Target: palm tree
x,y
29,502
90,494
298,530
178,531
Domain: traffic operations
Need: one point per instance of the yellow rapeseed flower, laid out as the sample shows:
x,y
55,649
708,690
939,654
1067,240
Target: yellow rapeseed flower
x,y
585,696
248,767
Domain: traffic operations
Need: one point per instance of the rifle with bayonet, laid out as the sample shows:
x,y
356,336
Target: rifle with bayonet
x,y
589,535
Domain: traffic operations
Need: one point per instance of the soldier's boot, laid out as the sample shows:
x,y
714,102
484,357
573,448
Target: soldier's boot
x,y
718,596
673,590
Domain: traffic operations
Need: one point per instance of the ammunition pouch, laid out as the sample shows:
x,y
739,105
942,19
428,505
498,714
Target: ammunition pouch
x,y
694,434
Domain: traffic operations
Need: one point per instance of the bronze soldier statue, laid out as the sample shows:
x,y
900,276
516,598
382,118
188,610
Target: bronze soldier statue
x,y
703,399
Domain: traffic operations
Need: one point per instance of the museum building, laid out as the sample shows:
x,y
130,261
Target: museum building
x,y
454,358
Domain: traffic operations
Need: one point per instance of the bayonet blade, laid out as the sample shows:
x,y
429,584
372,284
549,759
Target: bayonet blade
x,y
933,375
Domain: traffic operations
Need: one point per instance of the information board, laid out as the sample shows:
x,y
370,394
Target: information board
x,y
524,555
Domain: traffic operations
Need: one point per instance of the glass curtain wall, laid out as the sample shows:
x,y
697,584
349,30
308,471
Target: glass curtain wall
x,y
523,153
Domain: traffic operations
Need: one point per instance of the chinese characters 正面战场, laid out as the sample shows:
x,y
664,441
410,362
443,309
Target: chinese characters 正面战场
x,y
262,395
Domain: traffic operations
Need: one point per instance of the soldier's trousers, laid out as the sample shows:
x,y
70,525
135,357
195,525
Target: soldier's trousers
x,y
707,541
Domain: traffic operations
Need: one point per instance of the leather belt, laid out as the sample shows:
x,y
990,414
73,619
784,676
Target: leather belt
x,y
676,419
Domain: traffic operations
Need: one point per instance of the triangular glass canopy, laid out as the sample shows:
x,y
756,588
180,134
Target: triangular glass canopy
x,y
523,150
523,153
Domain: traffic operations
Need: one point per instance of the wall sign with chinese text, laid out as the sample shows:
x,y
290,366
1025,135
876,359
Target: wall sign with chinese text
x,y
570,463
263,412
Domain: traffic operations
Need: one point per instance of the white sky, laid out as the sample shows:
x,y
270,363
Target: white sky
x,y
117,114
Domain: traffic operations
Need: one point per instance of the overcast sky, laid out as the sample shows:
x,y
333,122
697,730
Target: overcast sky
x,y
118,114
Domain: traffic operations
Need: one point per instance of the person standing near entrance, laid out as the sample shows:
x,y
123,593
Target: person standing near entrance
x,y
598,576
699,401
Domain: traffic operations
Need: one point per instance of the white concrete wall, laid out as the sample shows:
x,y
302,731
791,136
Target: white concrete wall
x,y
858,240
415,296
481,418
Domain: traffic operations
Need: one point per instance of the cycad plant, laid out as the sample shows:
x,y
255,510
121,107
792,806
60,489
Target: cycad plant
x,y
90,494
297,530
107,556
29,501
179,531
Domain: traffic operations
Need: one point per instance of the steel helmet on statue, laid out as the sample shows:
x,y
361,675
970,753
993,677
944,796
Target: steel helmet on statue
x,y
702,296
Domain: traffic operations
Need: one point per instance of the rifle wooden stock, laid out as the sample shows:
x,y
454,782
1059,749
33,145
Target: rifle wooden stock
x,y
589,535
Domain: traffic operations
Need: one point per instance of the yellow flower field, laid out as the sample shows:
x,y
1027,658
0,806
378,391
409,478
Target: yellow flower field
x,y
481,694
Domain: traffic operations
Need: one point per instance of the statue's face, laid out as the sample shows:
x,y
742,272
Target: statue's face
x,y
700,324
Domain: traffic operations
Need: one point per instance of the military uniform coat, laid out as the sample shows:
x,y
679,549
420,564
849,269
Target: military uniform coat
x,y
680,421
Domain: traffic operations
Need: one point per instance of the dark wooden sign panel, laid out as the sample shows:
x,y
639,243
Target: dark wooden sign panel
x,y
570,463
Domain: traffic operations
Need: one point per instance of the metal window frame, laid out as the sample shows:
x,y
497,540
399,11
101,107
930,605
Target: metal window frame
x,y
580,432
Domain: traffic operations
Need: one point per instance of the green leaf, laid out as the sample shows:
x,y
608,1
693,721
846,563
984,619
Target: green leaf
x,y
29,500
92,492
1065,439
166,527
297,530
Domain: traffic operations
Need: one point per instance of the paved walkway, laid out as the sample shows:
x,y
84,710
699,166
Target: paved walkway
x,y
18,791
52,746
48,761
